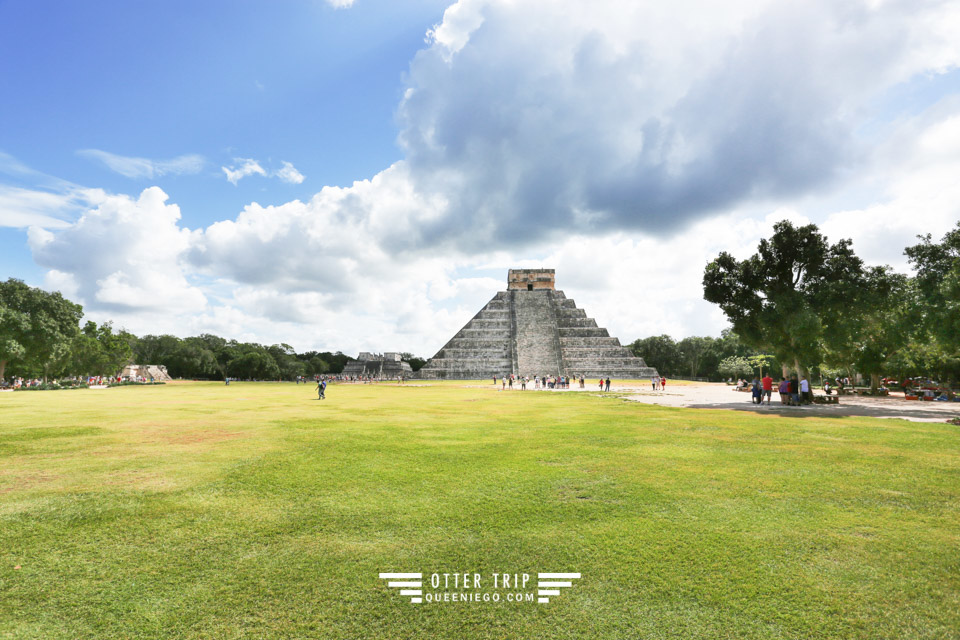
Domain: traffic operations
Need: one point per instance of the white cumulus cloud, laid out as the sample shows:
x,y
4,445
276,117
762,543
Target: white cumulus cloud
x,y
289,173
245,167
122,255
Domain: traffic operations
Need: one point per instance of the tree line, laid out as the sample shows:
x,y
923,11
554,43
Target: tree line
x,y
703,356
41,337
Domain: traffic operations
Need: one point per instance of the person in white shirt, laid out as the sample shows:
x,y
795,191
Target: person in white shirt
x,y
804,389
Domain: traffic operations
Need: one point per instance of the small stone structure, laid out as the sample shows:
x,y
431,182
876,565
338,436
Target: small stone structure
x,y
157,372
374,365
530,279
533,329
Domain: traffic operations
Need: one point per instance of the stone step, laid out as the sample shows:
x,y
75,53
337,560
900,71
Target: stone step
x,y
585,327
479,343
574,342
461,374
446,363
483,334
478,369
578,353
499,351
488,323
615,374
580,363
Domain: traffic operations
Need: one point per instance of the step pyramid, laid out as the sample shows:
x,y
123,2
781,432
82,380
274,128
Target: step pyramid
x,y
533,329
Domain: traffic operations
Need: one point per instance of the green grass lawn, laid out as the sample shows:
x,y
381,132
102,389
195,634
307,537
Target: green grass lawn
x,y
255,511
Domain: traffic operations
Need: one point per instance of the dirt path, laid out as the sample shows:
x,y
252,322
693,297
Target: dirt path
x,y
721,396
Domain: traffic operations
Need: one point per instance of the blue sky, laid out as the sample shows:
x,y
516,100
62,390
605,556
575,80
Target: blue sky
x,y
261,170
298,81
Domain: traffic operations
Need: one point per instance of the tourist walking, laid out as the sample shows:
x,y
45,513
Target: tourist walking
x,y
663,383
804,389
757,397
321,390
655,382
608,384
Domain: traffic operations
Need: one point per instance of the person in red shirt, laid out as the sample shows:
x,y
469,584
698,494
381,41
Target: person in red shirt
x,y
767,383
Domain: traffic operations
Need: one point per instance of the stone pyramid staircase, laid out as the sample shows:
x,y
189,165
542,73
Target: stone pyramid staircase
x,y
532,332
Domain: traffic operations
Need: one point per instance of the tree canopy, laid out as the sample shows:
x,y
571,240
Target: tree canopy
x,y
792,296
37,327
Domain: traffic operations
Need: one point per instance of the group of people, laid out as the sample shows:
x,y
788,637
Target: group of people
x,y
20,383
548,382
659,383
27,383
539,382
343,378
793,392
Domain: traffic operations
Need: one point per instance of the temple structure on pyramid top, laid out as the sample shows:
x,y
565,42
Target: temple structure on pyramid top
x,y
532,329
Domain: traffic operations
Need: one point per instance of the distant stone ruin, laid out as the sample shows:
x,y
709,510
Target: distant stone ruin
x,y
155,372
533,329
376,365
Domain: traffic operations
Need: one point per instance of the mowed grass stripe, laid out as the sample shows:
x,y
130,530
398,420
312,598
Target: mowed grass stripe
x,y
200,510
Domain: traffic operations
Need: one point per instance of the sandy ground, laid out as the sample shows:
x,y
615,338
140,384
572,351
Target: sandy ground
x,y
721,396
707,395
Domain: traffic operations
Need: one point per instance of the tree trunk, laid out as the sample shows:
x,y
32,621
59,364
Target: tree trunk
x,y
874,382
785,370
3,367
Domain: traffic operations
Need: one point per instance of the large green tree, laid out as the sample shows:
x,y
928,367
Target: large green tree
x,y
735,367
97,350
659,352
938,282
883,322
693,351
14,326
287,363
255,364
37,327
791,295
